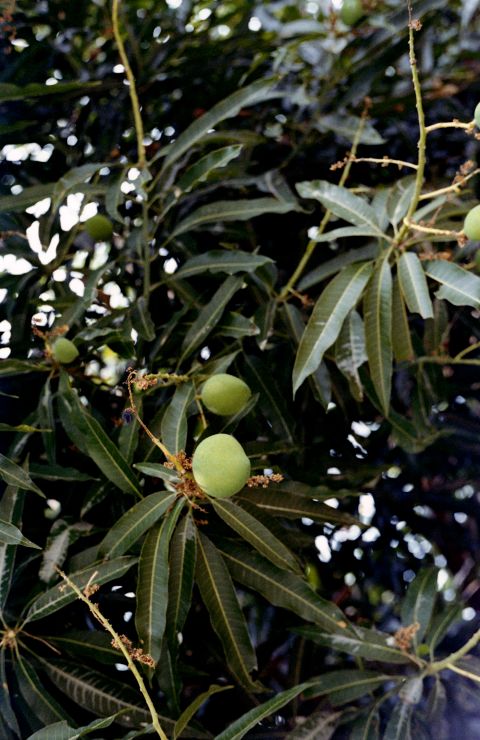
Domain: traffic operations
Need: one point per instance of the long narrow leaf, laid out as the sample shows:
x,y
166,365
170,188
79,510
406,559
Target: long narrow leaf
x,y
414,285
401,339
459,286
174,422
232,210
14,475
152,588
342,203
378,331
183,555
130,527
218,594
193,708
221,260
419,602
330,311
11,508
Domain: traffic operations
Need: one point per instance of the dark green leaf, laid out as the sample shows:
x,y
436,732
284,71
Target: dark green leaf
x,y
231,210
54,599
399,724
271,400
344,686
183,555
350,352
401,339
378,331
200,170
142,320
152,588
459,286
419,601
157,470
333,306
11,508
220,260
366,727
348,126
11,535
218,594
330,267
414,285
320,725
440,625
290,505
193,708
134,523
35,89
174,422
280,587
44,706
14,475
342,203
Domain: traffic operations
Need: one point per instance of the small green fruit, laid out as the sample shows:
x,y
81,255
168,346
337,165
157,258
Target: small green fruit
x,y
99,227
351,12
64,351
471,226
220,466
476,116
225,394
477,260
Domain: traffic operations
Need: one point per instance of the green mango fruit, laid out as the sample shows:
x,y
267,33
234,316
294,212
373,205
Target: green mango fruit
x,y
476,116
99,227
224,394
471,225
351,12
220,466
64,351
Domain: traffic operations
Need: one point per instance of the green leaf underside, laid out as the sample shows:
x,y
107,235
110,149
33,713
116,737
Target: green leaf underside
x,y
281,588
218,594
398,726
342,203
345,685
366,727
368,644
218,260
54,599
414,285
152,588
419,601
254,532
378,331
134,523
242,725
459,286
227,210
330,311
42,704
319,725
401,339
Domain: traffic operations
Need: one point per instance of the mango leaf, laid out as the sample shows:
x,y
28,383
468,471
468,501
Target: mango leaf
x,y
419,601
271,400
347,126
114,196
183,555
89,435
174,422
320,725
378,331
290,505
99,694
459,286
93,645
399,724
11,508
37,90
350,352
342,203
401,339
21,201
414,285
256,534
368,644
345,685
142,320
218,595
221,260
399,200
24,428
41,703
70,181
193,708
54,599
152,588
200,170
129,435
366,727
14,475
342,233
209,316
6,708
257,92
62,535
440,624
157,470
232,210
246,722
235,325
330,267
46,418
11,535
134,523
280,587
319,380
330,311
63,731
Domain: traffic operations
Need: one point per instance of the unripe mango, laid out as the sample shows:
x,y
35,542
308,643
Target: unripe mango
x,y
351,12
471,226
224,394
476,115
64,351
220,466
99,227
